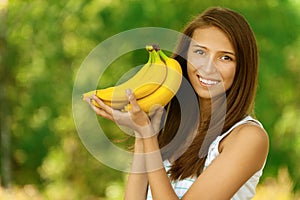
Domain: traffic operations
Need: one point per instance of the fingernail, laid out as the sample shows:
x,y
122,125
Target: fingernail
x,y
128,92
161,108
89,100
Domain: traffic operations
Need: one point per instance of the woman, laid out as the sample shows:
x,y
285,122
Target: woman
x,y
217,151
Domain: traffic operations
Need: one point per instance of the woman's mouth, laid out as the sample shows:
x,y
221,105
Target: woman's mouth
x,y
208,82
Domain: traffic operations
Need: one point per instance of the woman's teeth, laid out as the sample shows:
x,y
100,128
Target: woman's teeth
x,y
208,82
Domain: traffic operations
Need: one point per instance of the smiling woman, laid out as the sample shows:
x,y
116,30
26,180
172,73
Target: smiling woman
x,y
212,63
218,150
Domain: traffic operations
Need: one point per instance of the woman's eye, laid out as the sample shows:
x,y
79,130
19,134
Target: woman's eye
x,y
200,52
227,58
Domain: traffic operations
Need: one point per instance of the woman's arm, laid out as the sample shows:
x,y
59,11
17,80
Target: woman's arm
x,y
157,177
159,181
242,154
146,142
136,188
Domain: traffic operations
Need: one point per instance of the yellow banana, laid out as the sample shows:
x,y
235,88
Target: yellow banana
x,y
146,81
169,88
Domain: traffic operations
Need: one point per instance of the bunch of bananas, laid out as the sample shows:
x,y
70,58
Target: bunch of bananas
x,y
155,83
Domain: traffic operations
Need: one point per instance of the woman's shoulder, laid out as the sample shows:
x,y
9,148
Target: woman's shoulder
x,y
250,133
247,138
247,130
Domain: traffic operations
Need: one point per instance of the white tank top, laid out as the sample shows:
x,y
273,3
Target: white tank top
x,y
246,192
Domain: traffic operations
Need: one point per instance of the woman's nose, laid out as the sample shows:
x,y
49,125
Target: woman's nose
x,y
209,66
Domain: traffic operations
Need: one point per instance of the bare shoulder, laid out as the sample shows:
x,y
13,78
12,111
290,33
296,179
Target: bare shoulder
x,y
252,133
249,133
249,140
242,153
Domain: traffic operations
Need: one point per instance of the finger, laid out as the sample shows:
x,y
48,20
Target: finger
x,y
157,113
153,109
132,100
100,111
112,114
88,100
157,117
102,105
99,108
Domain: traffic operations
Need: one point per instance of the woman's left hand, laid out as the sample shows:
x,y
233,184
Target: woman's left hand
x,y
136,119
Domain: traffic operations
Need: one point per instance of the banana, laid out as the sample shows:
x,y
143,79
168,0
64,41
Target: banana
x,y
155,84
169,88
146,81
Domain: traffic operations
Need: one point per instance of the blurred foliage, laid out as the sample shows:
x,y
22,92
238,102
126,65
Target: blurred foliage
x,y
43,43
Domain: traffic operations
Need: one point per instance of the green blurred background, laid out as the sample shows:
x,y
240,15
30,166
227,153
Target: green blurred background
x,y
42,45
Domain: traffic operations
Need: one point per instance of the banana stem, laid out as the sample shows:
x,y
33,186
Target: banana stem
x,y
150,59
149,48
156,47
156,57
163,56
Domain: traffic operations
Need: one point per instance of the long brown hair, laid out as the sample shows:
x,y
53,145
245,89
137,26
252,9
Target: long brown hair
x,y
183,121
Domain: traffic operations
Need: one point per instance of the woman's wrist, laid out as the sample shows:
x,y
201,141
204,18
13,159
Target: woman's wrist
x,y
138,145
153,158
151,144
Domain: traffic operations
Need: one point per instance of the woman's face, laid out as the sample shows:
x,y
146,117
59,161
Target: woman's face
x,y
211,62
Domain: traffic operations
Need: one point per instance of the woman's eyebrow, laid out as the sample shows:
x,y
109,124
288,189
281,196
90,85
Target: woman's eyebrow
x,y
223,51
228,52
197,45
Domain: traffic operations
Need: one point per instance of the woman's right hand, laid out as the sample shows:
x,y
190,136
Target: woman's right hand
x,y
136,119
